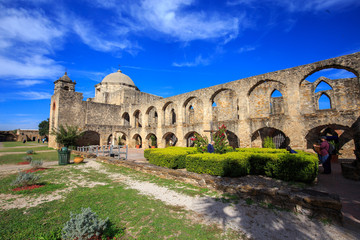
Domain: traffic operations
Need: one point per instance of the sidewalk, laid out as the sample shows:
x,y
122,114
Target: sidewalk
x,y
348,190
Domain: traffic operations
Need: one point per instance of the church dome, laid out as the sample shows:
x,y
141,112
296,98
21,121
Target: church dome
x,y
118,77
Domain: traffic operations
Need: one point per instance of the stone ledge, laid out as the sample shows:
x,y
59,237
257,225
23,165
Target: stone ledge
x,y
279,193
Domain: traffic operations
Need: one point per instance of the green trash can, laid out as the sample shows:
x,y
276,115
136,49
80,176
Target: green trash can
x,y
64,156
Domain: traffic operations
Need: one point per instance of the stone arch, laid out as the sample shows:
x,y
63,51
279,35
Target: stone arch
x,y
152,117
138,140
325,97
169,112
110,140
276,102
278,136
120,138
193,110
343,135
137,119
226,105
126,119
170,139
188,137
89,138
232,139
327,66
320,81
149,141
262,104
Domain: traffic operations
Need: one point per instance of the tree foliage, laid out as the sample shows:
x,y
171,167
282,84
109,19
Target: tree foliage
x,y
67,135
269,143
44,128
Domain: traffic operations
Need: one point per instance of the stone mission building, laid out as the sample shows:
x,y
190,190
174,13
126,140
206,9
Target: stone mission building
x,y
120,112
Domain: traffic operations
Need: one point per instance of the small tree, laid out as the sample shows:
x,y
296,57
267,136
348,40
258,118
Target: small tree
x,y
44,128
200,142
220,140
268,143
153,140
67,136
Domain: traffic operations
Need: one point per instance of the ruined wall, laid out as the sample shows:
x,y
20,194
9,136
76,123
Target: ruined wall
x,y
245,106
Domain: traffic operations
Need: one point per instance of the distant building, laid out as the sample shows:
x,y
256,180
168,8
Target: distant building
x,y
120,112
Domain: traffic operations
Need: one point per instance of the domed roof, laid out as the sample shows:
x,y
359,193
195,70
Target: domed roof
x,y
65,78
118,77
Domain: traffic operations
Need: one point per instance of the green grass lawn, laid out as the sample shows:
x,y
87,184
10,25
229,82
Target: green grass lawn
x,y
35,148
134,216
16,158
17,144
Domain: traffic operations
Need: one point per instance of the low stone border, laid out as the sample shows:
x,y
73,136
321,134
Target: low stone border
x,y
279,193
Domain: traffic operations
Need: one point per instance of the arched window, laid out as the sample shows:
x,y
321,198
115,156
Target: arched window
x,y
322,86
276,102
324,102
173,116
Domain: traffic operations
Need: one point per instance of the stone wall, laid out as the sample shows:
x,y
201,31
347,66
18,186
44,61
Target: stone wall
x,y
245,106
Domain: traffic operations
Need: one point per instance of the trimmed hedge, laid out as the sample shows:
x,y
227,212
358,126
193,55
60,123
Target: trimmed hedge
x,y
171,157
275,163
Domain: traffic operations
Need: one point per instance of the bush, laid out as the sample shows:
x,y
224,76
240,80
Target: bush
x,y
293,167
268,143
84,225
28,158
36,163
30,152
261,150
25,179
171,157
209,163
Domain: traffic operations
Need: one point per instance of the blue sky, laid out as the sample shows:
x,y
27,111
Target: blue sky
x,y
167,47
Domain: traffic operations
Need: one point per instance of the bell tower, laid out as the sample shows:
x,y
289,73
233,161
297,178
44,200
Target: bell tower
x,y
64,83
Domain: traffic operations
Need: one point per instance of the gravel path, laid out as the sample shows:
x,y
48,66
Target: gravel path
x,y
254,221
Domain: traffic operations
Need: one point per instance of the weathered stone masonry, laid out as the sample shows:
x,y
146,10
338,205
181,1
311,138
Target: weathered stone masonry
x,y
245,106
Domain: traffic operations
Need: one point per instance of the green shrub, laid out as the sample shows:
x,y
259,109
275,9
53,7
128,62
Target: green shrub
x,y
261,150
28,158
25,179
36,163
209,163
30,152
258,162
171,157
268,143
84,225
293,167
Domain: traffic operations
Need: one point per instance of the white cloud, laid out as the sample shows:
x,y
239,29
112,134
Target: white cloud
x,y
19,25
26,38
32,95
199,60
32,67
92,37
173,18
302,5
246,49
28,83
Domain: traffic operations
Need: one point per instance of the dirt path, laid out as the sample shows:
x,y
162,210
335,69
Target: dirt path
x,y
253,220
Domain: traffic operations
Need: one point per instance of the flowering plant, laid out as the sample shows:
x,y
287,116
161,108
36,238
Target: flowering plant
x,y
220,140
200,142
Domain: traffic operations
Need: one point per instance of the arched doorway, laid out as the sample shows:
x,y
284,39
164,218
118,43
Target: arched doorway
x,y
279,138
232,139
170,139
188,138
89,138
151,140
138,141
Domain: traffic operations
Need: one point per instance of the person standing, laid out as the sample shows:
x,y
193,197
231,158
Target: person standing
x,y
210,147
324,155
